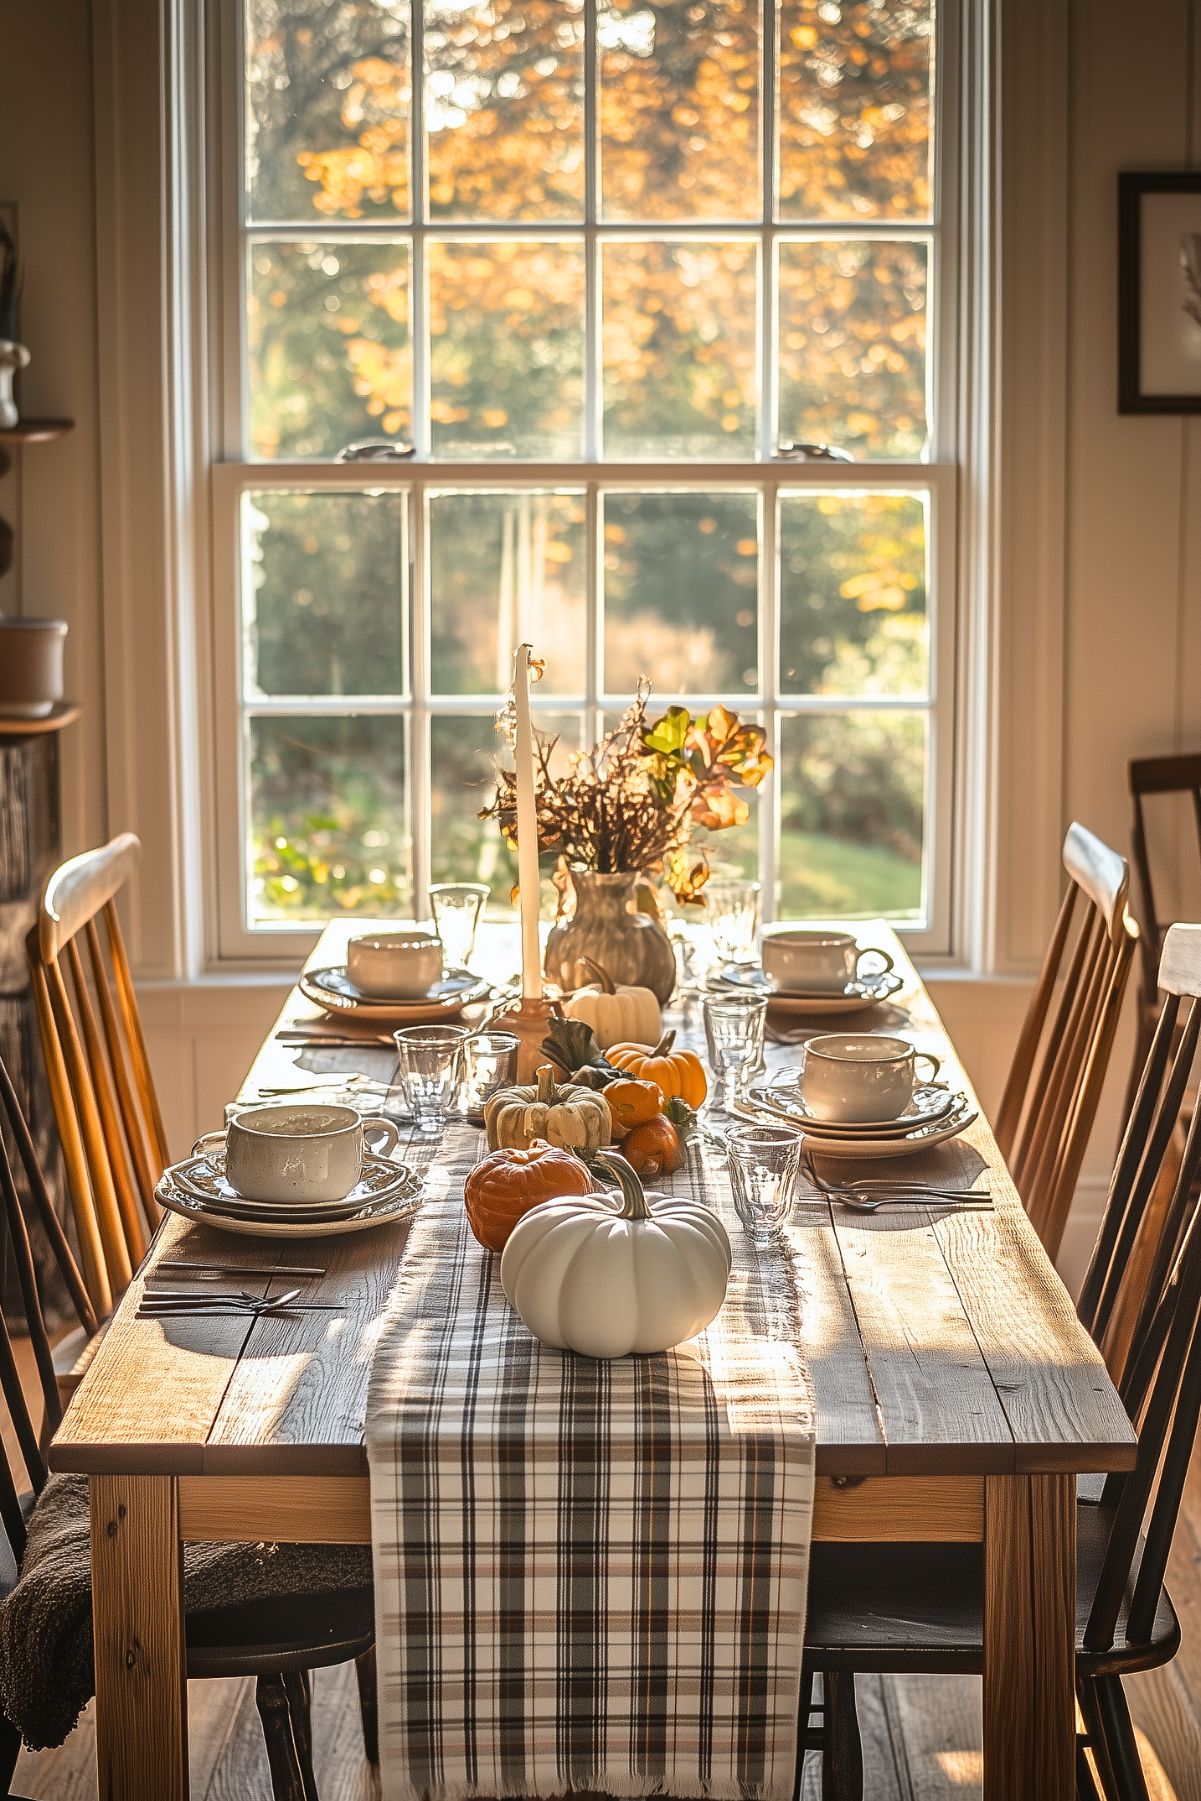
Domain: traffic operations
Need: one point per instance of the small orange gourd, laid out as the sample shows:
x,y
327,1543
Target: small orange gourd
x,y
506,1183
673,1072
653,1149
632,1103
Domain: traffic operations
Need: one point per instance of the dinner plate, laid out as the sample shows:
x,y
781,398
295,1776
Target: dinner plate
x,y
856,997
867,1146
205,1178
929,1103
374,1213
333,990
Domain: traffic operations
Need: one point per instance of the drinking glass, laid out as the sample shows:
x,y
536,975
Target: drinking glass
x,y
734,1032
428,1059
764,1162
489,1063
732,909
458,908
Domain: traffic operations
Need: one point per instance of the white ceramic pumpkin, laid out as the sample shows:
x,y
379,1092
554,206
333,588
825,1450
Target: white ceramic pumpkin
x,y
617,1013
608,1274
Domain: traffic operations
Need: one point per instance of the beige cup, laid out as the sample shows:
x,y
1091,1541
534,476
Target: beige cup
x,y
297,1152
395,965
858,1079
808,958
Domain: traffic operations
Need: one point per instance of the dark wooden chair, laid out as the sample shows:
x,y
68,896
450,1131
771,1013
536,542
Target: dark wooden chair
x,y
919,1609
1177,777
1062,1055
278,1640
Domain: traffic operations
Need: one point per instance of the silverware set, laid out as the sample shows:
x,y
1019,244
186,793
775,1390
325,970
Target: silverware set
x,y
210,1302
867,1194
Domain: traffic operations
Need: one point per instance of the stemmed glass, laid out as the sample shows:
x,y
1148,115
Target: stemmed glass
x,y
734,1032
428,1060
764,1162
732,909
458,908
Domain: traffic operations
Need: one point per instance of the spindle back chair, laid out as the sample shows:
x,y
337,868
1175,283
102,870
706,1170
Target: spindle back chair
x,y
924,1614
1062,1055
1172,776
109,1121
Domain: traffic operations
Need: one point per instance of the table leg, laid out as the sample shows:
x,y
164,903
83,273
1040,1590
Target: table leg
x,y
137,1614
1029,1638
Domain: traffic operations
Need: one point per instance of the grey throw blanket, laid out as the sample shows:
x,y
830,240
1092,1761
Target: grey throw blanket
x,y
46,1677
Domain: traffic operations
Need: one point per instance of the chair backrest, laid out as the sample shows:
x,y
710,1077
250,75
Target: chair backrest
x,y
1161,1382
1062,1055
15,1237
1174,776
109,1121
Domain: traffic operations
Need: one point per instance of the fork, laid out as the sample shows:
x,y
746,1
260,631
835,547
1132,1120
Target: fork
x,y
872,1204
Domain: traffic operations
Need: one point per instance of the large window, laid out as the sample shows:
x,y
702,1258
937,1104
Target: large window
x,y
586,269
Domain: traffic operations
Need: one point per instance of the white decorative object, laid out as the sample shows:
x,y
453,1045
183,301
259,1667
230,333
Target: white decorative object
x,y
617,1012
609,1274
13,357
527,828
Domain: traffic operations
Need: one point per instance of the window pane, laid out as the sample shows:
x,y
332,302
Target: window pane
x,y
329,358
852,814
855,109
853,346
504,108
679,349
507,324
681,575
506,568
328,818
465,848
323,593
327,108
853,594
679,109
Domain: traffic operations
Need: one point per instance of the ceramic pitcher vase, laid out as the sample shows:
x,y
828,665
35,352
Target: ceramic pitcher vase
x,y
630,946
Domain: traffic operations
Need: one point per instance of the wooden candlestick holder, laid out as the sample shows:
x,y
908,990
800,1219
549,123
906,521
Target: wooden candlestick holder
x,y
529,1020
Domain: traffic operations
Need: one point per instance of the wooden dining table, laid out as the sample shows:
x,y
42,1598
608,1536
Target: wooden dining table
x,y
956,1398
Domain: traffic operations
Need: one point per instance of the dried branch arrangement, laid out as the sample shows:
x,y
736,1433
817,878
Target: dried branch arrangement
x,y
631,803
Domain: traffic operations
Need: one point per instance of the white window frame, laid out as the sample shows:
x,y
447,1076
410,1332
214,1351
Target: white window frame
x,y
232,475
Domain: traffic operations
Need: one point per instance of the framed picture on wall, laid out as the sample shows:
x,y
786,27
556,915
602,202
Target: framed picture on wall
x,y
1159,293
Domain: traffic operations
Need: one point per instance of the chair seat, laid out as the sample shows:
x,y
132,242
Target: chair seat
x,y
919,1609
278,1634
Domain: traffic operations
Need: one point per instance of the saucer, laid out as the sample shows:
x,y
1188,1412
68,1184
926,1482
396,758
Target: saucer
x,y
855,997
929,1103
177,1199
333,990
868,1145
204,1178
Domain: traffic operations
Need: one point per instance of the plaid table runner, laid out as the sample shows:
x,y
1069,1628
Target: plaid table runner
x,y
587,1575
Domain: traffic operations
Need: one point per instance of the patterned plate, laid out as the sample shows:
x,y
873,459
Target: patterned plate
x,y
333,990
856,997
205,1178
374,1213
930,1102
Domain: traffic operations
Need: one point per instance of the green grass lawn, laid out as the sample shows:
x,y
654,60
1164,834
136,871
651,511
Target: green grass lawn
x,y
829,877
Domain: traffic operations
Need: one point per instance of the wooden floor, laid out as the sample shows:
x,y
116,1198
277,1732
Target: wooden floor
x,y
921,1734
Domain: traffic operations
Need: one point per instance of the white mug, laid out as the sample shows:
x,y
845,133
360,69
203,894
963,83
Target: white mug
x,y
857,1079
394,965
297,1152
806,957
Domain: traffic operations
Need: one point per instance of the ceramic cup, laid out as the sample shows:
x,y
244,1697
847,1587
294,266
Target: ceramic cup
x,y
297,1153
395,965
802,957
859,1079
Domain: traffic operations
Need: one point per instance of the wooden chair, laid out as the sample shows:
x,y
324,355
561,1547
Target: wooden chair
x,y
114,1146
277,1639
1156,776
1062,1055
920,1610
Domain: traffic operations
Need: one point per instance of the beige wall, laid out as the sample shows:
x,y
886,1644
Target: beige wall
x,y
1103,544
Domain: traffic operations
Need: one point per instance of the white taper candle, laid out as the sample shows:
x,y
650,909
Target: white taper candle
x,y
527,829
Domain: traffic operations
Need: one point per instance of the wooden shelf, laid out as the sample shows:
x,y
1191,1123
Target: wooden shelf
x,y
36,431
65,713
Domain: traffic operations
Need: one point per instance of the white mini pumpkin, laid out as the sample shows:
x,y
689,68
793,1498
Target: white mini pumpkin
x,y
609,1274
617,1013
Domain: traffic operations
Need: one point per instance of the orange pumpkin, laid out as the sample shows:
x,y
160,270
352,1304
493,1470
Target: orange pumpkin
x,y
507,1183
673,1072
631,1103
653,1149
